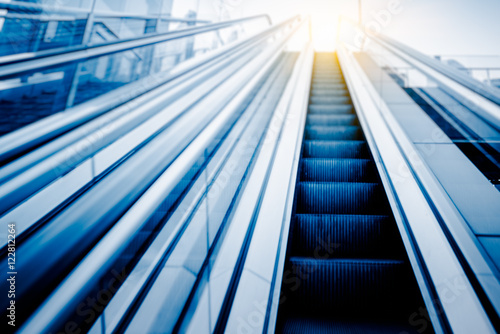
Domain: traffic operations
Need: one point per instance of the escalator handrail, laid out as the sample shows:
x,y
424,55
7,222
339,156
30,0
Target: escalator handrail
x,y
480,88
273,220
12,65
486,97
476,93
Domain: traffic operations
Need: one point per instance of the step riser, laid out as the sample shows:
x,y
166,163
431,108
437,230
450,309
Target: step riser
x,y
324,65
347,286
330,99
331,120
328,81
327,76
333,133
344,236
329,86
318,73
338,170
319,70
333,109
321,73
329,92
341,198
315,149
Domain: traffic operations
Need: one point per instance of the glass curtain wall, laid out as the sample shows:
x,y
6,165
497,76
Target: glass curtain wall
x,y
37,25
63,25
31,95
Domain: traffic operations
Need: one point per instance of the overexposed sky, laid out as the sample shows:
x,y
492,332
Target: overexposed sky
x,y
430,26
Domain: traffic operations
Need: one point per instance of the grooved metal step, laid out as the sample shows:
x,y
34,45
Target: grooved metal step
x,y
346,285
327,74
318,73
335,149
345,236
325,64
331,109
330,99
338,132
333,325
323,85
338,170
329,92
325,69
328,81
329,120
341,198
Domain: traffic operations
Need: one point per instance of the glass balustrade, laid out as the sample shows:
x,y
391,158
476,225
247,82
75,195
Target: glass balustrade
x,y
32,95
460,118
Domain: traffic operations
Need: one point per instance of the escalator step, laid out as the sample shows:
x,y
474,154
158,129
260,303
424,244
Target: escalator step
x,y
332,71
330,325
338,132
338,149
324,63
322,85
328,76
327,73
330,109
341,198
347,285
328,81
329,92
330,99
327,120
326,68
338,170
345,236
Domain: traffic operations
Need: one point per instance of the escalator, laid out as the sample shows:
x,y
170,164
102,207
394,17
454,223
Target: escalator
x,y
346,269
163,203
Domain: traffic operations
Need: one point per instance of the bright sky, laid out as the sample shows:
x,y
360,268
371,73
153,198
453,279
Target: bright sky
x,y
430,26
